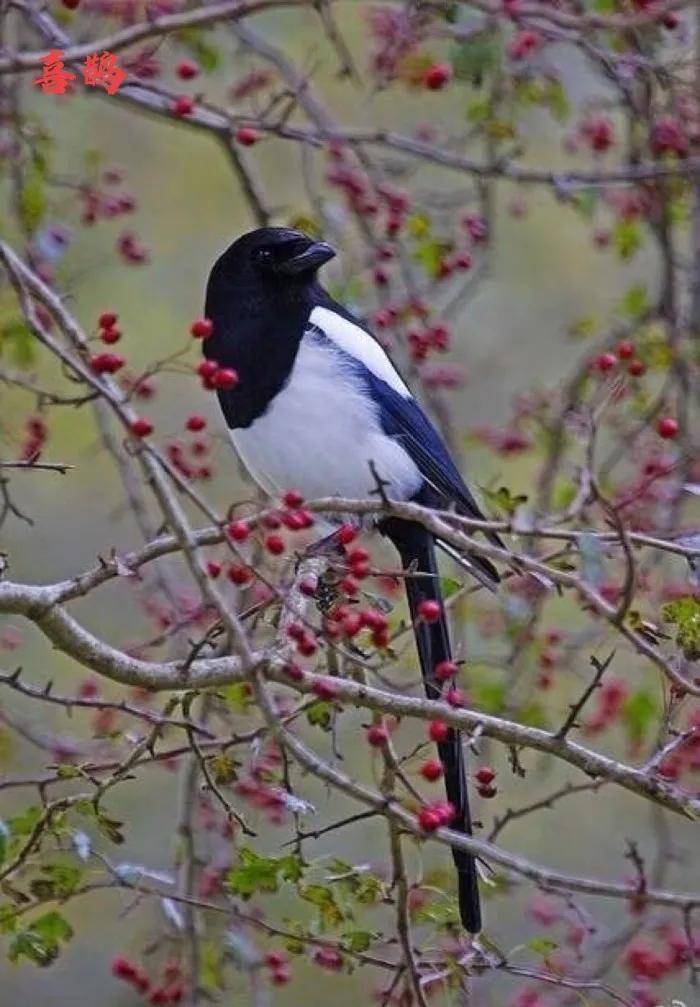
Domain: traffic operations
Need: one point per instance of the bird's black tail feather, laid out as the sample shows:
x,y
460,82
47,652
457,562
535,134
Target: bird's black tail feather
x,y
416,547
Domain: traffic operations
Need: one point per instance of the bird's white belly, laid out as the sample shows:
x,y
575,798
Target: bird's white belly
x,y
320,434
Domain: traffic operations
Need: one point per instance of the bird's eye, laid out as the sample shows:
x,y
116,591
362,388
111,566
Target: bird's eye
x,y
263,257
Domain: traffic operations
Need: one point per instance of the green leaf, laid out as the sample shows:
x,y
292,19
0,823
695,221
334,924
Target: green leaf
x,y
361,886
256,873
473,59
430,254
110,828
627,237
489,695
16,337
32,198
582,328
542,946
638,715
684,614
359,940
58,881
238,696
503,500
323,899
635,303
320,714
443,914
22,824
223,768
40,942
449,586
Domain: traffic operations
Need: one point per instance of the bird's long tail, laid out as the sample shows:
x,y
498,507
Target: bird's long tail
x,y
416,548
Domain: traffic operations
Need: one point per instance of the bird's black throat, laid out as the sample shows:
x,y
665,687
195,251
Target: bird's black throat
x,y
258,328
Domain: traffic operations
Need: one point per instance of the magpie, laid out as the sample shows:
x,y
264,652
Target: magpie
x,y
320,408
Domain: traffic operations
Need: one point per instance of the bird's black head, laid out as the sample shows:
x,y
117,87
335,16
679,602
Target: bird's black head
x,y
259,297
273,260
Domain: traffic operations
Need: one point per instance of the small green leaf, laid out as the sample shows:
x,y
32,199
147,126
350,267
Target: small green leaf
x,y
627,237
542,946
238,696
503,500
32,198
58,881
684,614
322,897
449,586
359,940
256,873
635,303
638,715
40,942
320,714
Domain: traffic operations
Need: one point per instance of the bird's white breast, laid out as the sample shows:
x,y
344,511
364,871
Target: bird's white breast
x,y
319,434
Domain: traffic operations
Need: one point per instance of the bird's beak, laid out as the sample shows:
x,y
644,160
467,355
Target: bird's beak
x,y
312,258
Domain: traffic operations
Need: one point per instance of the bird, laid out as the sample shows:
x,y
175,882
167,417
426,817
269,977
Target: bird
x,y
320,407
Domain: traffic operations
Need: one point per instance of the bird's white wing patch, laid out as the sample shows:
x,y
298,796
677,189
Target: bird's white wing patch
x,y
358,344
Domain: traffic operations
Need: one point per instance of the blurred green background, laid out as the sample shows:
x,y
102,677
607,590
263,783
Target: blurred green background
x,y
544,273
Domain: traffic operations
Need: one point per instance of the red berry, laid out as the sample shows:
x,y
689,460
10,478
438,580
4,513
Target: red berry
x,y
122,968
280,976
438,730
605,362
238,531
187,70
445,670
107,320
431,770
357,555
486,790
274,544
308,587
455,697
225,379
276,959
110,336
195,423
182,106
374,619
247,136
625,349
293,670
437,75
349,586
202,328
636,368
214,568
324,689
71,4
446,812
239,575
141,427
293,499
429,610
207,369
307,645
377,735
485,774
667,427
106,363
329,958
346,534
429,820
